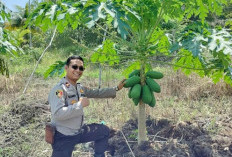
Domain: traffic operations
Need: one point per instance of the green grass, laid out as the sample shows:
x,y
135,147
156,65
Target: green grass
x,y
26,62
3,109
107,74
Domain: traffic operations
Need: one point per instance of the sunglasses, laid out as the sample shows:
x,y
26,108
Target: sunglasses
x,y
75,67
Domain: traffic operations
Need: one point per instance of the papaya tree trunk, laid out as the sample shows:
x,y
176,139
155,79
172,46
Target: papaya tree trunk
x,y
142,110
142,123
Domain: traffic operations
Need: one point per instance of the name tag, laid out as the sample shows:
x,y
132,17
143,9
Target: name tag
x,y
71,96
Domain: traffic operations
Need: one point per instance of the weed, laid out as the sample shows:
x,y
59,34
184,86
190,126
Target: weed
x,y
134,135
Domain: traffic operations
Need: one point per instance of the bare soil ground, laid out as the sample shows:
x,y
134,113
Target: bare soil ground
x,y
185,139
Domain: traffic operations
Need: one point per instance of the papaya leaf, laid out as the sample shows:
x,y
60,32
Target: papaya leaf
x,y
229,23
121,26
4,14
228,79
95,13
132,67
51,13
57,67
95,57
194,44
9,45
228,75
202,8
220,41
172,9
217,75
188,63
196,40
105,54
101,10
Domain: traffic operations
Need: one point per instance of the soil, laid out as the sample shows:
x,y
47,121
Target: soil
x,y
165,139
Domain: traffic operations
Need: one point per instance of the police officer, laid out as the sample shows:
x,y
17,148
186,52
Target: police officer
x,y
67,100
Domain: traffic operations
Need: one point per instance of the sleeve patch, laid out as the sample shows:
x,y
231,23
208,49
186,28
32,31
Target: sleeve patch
x,y
81,91
59,93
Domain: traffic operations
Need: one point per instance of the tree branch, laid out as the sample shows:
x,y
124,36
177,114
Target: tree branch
x,y
127,143
28,81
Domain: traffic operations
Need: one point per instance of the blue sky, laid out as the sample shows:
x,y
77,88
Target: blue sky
x,y
11,3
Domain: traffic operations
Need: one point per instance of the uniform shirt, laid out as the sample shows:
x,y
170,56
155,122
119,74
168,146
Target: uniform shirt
x,y
66,110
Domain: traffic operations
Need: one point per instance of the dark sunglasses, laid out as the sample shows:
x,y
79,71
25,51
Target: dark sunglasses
x,y
75,67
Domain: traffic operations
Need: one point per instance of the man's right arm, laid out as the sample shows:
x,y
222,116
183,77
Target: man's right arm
x,y
59,110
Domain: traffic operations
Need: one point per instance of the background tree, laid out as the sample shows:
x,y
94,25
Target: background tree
x,y
143,32
9,45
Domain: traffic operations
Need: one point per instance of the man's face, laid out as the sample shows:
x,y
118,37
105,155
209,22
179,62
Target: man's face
x,y
74,70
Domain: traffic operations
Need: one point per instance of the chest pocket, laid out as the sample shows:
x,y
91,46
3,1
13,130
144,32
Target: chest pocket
x,y
72,98
80,91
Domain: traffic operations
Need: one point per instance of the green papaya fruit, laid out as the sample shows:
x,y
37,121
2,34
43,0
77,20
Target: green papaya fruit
x,y
136,91
153,85
146,94
132,81
154,74
136,101
135,72
129,93
153,101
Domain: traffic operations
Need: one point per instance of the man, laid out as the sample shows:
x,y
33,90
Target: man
x,y
67,100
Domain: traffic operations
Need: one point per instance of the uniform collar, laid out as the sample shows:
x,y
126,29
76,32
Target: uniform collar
x,y
67,84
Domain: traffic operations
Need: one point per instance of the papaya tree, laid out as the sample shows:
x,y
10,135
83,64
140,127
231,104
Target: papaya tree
x,y
9,45
140,30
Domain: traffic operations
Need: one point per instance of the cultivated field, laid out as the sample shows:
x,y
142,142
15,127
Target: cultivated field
x,y
192,117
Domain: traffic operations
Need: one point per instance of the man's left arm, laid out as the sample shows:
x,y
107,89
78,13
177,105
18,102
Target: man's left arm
x,y
104,92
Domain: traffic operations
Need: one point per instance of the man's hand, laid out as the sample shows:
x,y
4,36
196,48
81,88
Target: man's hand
x,y
84,101
121,84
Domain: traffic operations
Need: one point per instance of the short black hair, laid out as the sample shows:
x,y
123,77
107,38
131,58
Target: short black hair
x,y
73,57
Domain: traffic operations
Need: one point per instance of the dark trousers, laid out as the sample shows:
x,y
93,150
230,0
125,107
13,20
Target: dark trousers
x,y
63,145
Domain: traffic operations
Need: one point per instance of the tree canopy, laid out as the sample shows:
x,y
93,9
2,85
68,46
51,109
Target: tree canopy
x,y
193,44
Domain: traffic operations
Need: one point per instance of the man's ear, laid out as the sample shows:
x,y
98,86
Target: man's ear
x,y
66,67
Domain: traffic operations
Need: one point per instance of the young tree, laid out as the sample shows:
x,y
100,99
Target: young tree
x,y
9,45
192,45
